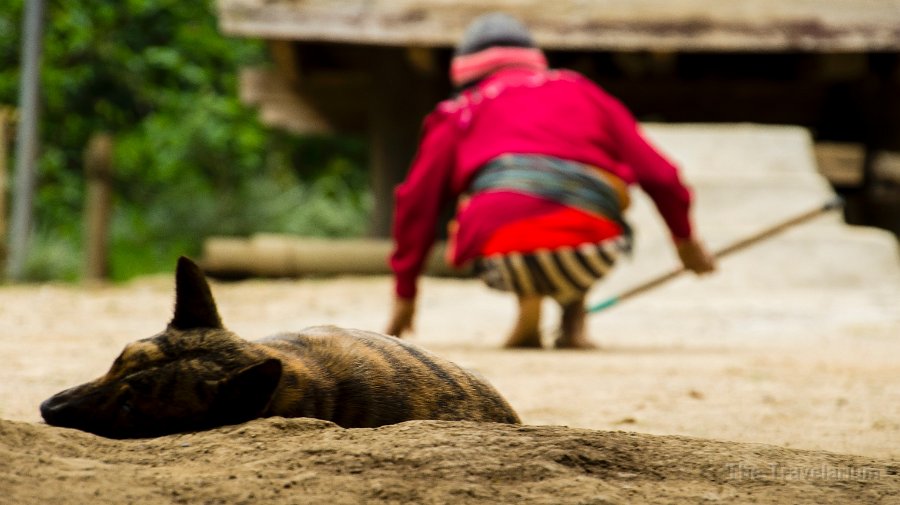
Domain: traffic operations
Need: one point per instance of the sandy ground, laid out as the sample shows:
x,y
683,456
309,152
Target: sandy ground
x,y
773,381
833,389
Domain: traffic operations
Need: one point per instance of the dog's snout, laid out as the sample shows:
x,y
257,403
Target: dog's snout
x,y
53,410
60,410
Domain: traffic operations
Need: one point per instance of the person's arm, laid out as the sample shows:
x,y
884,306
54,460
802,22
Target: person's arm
x,y
418,202
659,178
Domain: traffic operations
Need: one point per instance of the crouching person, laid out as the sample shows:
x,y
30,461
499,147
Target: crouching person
x,y
539,163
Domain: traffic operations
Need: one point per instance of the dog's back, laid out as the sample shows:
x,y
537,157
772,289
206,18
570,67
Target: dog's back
x,y
364,379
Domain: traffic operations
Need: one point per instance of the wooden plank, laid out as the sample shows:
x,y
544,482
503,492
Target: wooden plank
x,y
841,162
741,25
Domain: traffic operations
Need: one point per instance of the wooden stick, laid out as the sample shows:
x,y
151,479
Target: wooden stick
x,y
833,204
98,206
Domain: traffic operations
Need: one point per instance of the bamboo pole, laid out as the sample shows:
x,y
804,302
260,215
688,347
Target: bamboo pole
x,y
835,203
269,255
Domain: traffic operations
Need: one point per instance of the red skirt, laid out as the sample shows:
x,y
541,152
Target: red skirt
x,y
560,254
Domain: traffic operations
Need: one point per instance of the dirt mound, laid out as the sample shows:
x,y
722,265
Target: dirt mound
x,y
279,461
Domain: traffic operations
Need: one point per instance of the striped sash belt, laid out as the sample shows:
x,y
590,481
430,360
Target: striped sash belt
x,y
567,182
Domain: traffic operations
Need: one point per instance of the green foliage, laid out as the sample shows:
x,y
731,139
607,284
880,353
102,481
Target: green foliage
x,y
190,160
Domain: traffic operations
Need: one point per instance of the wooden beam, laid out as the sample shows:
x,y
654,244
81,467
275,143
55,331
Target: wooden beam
x,y
287,60
749,25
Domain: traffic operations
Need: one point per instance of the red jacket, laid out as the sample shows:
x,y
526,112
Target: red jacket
x,y
555,113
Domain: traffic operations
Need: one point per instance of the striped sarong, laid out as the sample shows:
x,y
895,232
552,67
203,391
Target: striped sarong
x,y
563,274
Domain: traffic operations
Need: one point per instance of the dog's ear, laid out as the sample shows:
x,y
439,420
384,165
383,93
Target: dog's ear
x,y
246,394
194,303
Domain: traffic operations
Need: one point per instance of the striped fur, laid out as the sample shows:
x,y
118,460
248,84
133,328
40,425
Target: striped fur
x,y
197,375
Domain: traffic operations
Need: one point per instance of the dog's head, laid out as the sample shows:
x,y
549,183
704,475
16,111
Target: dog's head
x,y
194,375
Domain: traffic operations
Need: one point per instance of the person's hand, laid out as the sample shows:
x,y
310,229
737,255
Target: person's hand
x,y
695,257
402,317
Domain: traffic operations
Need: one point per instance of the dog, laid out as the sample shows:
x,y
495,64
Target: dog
x,y
196,375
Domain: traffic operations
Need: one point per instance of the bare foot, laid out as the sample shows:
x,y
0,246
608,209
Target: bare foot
x,y
574,343
527,332
572,333
523,341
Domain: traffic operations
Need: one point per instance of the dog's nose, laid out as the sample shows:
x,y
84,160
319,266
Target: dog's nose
x,y
54,411
48,411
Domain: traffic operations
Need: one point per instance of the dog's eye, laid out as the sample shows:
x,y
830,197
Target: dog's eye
x,y
126,406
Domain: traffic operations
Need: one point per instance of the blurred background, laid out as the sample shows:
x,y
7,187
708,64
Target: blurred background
x,y
237,117
189,159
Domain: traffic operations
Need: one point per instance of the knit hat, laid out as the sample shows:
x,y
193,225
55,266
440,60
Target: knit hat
x,y
494,29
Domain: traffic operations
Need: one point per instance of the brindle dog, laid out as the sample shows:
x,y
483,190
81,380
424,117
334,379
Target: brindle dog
x,y
197,375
